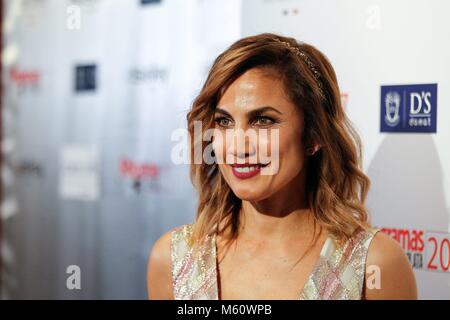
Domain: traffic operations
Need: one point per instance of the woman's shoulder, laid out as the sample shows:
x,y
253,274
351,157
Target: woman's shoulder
x,y
387,260
384,251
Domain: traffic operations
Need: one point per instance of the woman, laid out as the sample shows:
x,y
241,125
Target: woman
x,y
299,231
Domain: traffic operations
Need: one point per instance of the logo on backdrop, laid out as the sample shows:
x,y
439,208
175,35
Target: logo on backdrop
x,y
25,79
408,108
141,177
153,75
29,168
150,1
426,250
85,78
79,177
33,12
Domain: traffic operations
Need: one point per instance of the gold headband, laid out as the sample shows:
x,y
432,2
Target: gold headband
x,y
307,60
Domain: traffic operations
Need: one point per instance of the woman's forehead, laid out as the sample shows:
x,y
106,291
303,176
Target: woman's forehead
x,y
254,89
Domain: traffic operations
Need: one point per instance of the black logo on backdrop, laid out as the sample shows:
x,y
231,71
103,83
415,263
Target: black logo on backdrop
x,y
85,78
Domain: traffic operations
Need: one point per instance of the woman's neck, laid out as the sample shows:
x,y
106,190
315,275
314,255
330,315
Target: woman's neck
x,y
281,215
260,221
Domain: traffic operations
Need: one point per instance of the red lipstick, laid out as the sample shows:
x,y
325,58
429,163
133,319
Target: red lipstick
x,y
246,170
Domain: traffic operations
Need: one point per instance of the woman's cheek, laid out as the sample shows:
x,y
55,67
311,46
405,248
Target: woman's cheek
x,y
293,152
219,146
269,151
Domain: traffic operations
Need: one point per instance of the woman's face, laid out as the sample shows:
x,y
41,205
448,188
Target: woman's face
x,y
253,104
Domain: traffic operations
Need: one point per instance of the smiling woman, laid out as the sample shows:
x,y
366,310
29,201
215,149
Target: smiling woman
x,y
292,225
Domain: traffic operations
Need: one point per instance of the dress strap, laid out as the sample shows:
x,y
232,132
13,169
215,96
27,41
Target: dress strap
x,y
193,272
340,272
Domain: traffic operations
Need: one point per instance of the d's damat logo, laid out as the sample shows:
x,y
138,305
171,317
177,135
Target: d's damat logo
x,y
408,108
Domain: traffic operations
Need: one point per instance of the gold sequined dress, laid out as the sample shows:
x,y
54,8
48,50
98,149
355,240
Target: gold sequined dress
x,y
338,273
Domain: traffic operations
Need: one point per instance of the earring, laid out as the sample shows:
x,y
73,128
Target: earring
x,y
312,150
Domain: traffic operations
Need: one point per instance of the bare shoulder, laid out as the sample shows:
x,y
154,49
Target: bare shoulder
x,y
159,269
388,272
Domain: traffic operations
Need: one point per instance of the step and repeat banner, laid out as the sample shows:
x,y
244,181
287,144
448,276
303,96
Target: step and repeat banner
x,y
93,91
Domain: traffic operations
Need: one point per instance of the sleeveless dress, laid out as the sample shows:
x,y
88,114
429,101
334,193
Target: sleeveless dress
x,y
338,273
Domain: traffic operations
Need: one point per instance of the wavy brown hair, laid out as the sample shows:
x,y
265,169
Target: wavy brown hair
x,y
336,187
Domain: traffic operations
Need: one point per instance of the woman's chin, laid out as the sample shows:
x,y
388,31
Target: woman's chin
x,y
250,195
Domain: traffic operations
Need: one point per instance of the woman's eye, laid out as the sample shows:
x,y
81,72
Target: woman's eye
x,y
259,121
223,122
264,121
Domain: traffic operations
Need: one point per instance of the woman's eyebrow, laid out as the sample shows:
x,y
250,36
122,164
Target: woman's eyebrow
x,y
251,113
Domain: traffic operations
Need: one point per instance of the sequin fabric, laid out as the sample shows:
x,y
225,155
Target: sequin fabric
x,y
338,273
194,277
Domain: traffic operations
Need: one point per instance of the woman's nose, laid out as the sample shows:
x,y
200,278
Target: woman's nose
x,y
242,143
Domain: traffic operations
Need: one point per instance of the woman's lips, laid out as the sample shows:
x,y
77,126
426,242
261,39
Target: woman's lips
x,y
245,171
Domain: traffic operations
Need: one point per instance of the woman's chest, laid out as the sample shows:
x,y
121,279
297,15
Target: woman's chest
x,y
266,274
